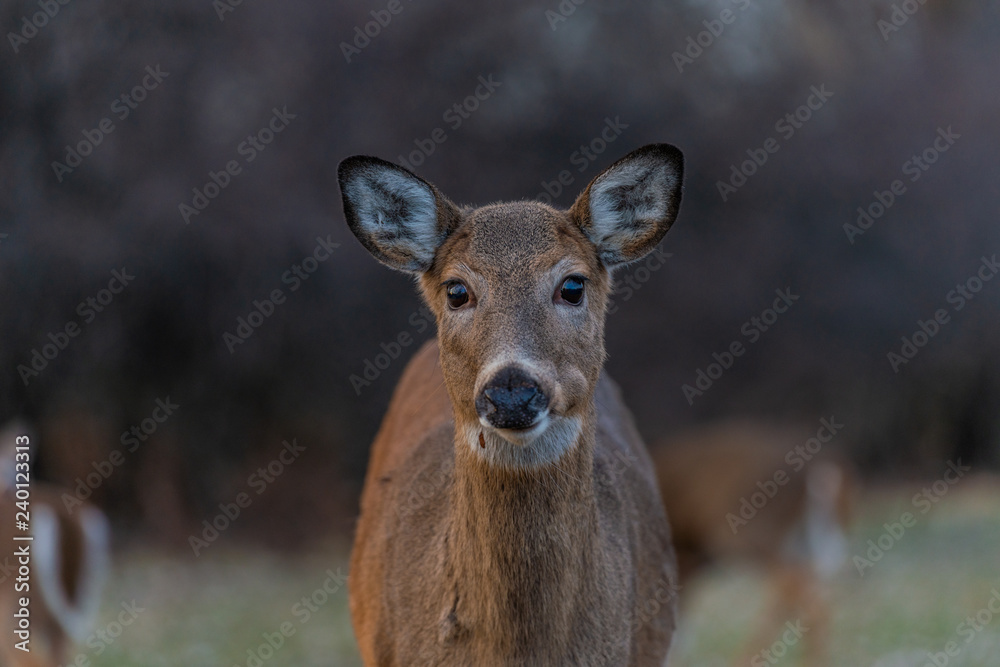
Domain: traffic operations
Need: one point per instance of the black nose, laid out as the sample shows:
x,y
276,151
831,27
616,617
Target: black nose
x,y
512,399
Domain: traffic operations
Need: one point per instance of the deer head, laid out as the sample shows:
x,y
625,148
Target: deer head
x,y
519,290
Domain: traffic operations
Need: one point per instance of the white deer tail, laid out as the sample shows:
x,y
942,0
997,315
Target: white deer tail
x,y
71,564
825,539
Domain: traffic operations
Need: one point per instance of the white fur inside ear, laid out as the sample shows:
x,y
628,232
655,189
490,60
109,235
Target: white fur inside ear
x,y
627,204
398,214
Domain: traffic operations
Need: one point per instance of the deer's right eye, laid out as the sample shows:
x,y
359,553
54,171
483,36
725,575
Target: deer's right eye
x,y
458,294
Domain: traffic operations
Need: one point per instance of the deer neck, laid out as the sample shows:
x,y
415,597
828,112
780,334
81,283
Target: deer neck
x,y
521,545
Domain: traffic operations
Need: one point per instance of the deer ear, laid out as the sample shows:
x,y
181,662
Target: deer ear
x,y
628,208
399,217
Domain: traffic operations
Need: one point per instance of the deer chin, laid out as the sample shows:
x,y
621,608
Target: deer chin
x,y
541,444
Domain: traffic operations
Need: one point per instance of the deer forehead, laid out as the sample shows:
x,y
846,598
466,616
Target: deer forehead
x,y
516,244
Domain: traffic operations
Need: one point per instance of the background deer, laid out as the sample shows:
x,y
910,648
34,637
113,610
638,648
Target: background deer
x,y
69,562
747,491
497,526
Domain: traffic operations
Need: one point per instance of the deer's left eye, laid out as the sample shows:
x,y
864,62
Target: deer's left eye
x,y
572,290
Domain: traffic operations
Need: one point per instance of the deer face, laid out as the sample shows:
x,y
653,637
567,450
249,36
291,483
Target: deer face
x,y
519,290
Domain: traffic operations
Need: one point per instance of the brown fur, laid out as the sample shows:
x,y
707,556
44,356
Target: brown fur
x,y
459,559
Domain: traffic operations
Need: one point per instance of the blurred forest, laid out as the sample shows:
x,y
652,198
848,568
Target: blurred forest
x,y
726,81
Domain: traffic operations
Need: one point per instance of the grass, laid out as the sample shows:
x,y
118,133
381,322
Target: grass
x,y
220,608
911,602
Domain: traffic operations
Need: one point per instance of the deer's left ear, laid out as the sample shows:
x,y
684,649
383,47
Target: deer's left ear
x,y
628,208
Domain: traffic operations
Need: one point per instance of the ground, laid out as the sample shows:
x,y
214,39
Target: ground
x,y
228,607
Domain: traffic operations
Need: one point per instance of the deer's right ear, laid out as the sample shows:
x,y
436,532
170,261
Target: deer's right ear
x,y
399,217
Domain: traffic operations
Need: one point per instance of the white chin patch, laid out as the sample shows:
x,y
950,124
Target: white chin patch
x,y
542,444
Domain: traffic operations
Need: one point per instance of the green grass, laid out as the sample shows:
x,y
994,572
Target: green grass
x,y
214,609
211,610
911,602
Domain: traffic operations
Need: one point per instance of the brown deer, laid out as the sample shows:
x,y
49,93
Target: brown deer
x,y
68,563
768,495
498,526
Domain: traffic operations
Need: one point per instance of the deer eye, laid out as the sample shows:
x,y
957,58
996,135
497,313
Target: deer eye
x,y
458,294
572,290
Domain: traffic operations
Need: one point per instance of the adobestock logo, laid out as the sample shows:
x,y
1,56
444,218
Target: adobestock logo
x,y
130,440
29,28
122,106
915,167
958,297
924,501
60,340
259,481
796,458
562,12
582,158
899,17
786,126
698,44
752,329
454,115
266,307
381,18
372,367
248,149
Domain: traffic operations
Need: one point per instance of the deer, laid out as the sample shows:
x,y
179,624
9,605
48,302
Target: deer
x,y
748,491
497,523
68,560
